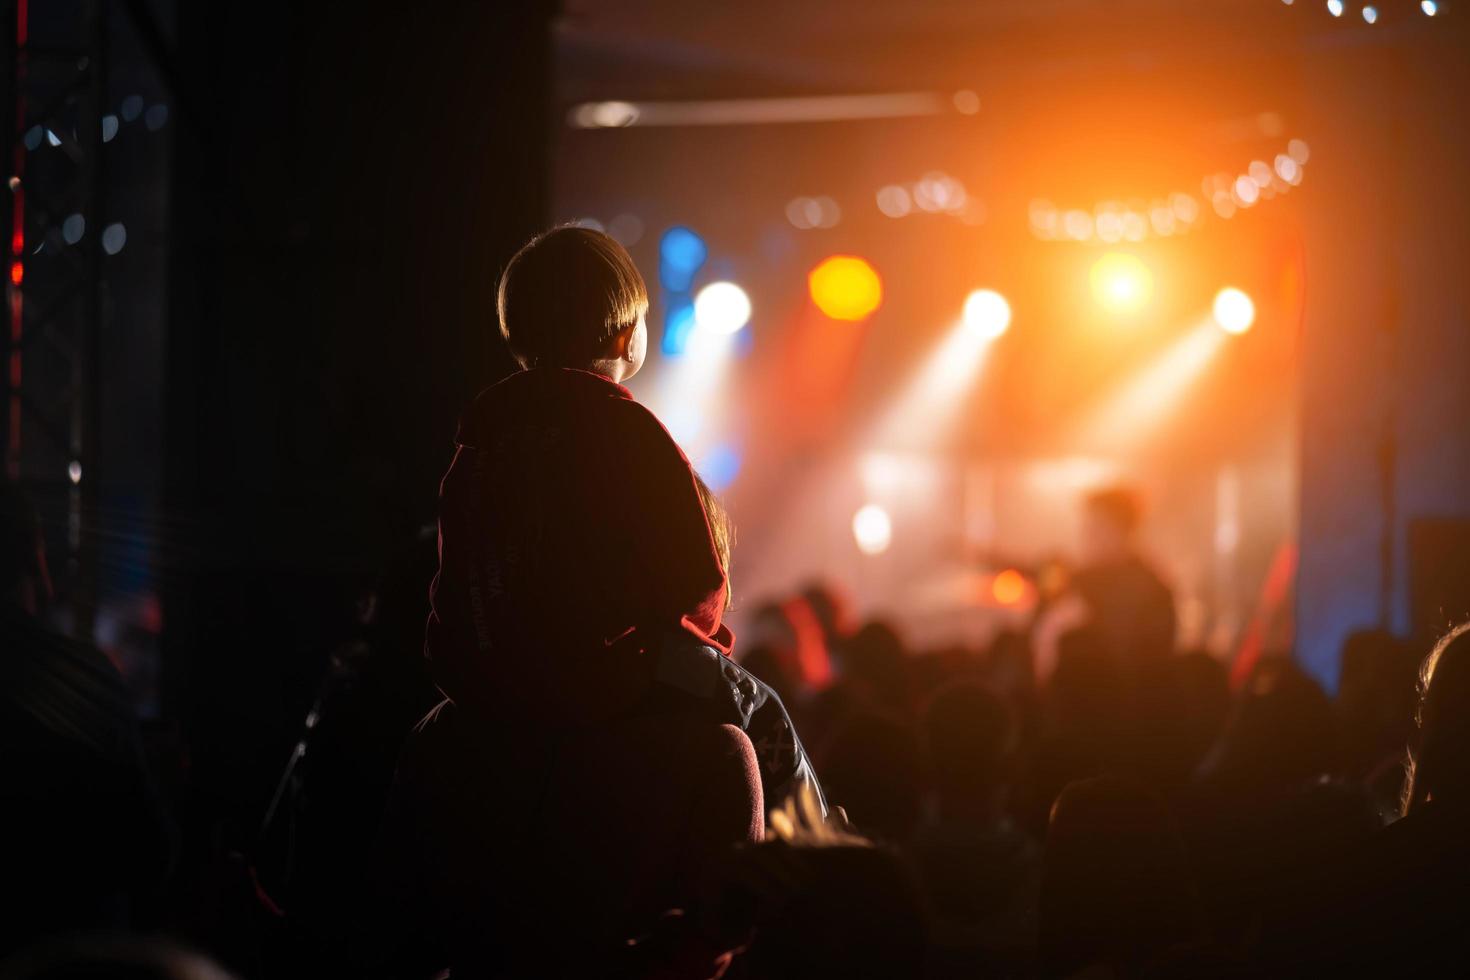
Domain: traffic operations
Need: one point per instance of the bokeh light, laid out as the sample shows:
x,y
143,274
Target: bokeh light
x,y
1234,311
872,529
1334,7
720,466
967,101
721,307
680,252
987,313
1121,283
1429,7
1008,588
894,201
845,287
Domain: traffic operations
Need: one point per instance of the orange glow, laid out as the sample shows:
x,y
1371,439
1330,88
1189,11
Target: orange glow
x,y
17,272
1121,282
845,287
1149,397
1008,588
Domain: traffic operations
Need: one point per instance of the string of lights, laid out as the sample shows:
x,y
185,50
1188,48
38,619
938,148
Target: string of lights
x,y
1115,221
1372,13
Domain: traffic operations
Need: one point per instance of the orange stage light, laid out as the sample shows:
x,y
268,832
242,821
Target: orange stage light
x,y
17,273
1008,588
845,287
1121,283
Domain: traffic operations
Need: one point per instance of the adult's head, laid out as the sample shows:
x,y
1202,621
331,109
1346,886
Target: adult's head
x,y
572,298
25,584
875,666
1114,889
1110,523
1281,735
966,734
1439,763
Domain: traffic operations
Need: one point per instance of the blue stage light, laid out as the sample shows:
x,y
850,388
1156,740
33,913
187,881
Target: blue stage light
x,y
681,252
720,466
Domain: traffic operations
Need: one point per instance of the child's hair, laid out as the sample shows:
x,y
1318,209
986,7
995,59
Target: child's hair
x,y
722,529
565,294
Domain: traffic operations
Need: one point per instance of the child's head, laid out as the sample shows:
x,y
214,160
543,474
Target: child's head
x,y
572,298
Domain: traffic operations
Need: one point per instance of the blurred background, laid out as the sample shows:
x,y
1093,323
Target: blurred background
x,y
923,276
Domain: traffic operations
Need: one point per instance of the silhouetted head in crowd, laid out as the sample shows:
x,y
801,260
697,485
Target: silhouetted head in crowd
x,y
875,666
1439,762
113,957
25,583
1281,736
832,609
967,736
1114,891
572,298
829,904
1087,692
870,766
1177,709
1110,524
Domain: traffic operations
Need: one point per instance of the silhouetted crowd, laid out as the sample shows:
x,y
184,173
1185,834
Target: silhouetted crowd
x,y
579,773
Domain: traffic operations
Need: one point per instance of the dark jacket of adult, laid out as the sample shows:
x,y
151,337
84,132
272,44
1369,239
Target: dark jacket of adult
x,y
577,633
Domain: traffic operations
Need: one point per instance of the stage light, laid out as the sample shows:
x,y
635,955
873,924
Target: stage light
x,y
1186,208
1008,588
1370,14
720,466
987,313
872,529
1121,282
813,212
894,201
17,273
680,252
1234,311
1334,7
721,307
845,287
1287,168
1299,151
1429,7
1246,191
967,102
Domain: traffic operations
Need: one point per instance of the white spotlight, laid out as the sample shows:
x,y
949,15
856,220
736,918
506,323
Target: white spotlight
x,y
987,313
721,307
1234,310
872,529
